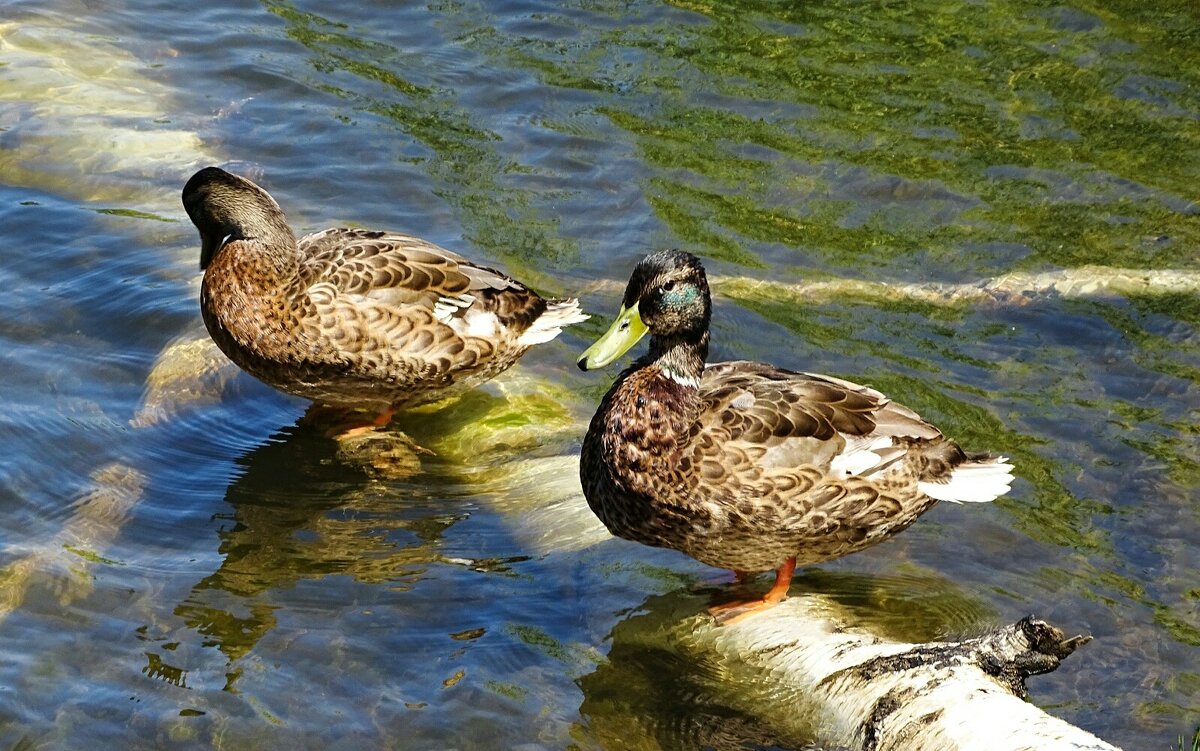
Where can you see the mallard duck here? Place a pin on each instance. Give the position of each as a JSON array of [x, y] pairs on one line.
[[354, 319], [750, 467]]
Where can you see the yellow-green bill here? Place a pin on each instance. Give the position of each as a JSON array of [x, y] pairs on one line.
[[625, 332]]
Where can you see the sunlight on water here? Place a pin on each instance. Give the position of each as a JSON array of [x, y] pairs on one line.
[[190, 562]]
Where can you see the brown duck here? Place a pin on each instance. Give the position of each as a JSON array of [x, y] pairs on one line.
[[750, 467], [351, 318]]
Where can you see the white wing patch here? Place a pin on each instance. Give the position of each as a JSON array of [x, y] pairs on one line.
[[549, 324], [445, 308], [864, 456], [476, 323]]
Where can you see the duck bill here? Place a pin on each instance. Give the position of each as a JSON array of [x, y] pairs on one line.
[[625, 332]]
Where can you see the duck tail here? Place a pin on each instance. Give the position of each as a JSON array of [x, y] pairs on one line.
[[559, 312], [979, 479]]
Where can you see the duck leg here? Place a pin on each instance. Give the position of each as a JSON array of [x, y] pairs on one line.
[[368, 424], [342, 423], [731, 612]]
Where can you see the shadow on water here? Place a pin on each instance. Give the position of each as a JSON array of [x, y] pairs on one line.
[[323, 554]]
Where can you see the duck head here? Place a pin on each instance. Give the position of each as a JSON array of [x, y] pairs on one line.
[[226, 208], [667, 297]]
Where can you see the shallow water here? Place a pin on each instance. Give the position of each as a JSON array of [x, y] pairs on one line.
[[212, 573]]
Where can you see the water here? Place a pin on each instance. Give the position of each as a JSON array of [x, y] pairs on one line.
[[198, 569]]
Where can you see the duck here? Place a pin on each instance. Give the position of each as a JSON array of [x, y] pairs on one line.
[[360, 322], [747, 466]]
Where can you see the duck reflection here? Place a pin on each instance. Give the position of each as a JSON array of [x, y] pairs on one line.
[[652, 687], [376, 509], [306, 507]]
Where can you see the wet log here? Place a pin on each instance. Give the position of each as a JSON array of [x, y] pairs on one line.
[[863, 692], [1013, 289], [63, 562]]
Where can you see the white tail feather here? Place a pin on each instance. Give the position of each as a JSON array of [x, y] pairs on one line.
[[973, 482], [549, 324]]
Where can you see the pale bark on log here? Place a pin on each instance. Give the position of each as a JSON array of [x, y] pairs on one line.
[[868, 693], [1016, 288]]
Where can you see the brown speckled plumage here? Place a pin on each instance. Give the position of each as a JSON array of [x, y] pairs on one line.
[[352, 317], [745, 466]]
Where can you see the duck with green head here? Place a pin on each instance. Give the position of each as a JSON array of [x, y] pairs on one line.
[[750, 467]]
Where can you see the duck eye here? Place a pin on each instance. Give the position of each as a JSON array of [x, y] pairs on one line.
[[670, 285]]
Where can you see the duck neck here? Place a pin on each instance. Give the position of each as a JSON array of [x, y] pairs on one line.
[[260, 239], [276, 247], [285, 263], [679, 358], [638, 437]]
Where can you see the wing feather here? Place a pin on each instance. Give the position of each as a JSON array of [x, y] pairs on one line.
[[396, 303], [797, 419], [407, 272]]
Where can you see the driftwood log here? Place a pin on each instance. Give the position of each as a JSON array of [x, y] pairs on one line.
[[1017, 288], [864, 692], [63, 561], [191, 371]]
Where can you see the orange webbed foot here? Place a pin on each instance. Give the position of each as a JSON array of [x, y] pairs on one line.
[[729, 613]]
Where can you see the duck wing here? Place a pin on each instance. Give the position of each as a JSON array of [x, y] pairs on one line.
[[405, 271], [395, 309], [757, 417]]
